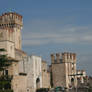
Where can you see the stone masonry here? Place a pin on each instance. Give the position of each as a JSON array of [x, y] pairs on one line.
[[45, 75], [64, 69], [10, 32]]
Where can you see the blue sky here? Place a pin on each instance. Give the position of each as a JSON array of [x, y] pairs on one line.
[[52, 26]]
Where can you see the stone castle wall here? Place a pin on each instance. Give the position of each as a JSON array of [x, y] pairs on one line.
[[64, 69], [10, 26], [59, 76], [45, 75]]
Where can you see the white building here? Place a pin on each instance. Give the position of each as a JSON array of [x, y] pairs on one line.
[[31, 67]]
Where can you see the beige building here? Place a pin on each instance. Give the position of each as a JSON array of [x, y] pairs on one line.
[[19, 81], [10, 32], [26, 71], [63, 69], [27, 74], [45, 75], [81, 75], [10, 39]]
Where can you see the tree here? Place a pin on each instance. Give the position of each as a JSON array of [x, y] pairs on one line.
[[5, 79]]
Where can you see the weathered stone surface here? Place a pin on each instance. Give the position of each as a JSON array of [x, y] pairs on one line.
[[58, 73], [45, 75], [10, 32], [64, 69]]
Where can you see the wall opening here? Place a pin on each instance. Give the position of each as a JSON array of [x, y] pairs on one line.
[[37, 83]]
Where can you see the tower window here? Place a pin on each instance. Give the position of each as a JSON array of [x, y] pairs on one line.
[[6, 72]]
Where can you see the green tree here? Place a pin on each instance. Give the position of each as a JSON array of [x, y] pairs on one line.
[[5, 79]]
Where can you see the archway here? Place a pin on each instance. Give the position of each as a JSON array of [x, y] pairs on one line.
[[72, 81], [37, 83]]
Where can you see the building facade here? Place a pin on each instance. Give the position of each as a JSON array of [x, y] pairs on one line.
[[10, 32], [63, 69], [34, 80], [27, 74], [45, 75], [27, 71], [81, 76]]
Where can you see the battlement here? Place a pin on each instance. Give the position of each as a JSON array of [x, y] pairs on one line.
[[10, 28], [10, 20], [63, 57]]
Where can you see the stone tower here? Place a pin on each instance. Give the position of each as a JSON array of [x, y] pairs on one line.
[[10, 32], [64, 69]]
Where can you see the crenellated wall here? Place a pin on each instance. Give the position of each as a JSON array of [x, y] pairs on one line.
[[10, 20], [63, 57]]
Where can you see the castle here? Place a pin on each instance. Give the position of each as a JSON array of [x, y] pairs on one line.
[[64, 69], [10, 32], [27, 70], [30, 72]]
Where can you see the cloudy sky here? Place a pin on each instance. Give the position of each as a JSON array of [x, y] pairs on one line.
[[52, 26]]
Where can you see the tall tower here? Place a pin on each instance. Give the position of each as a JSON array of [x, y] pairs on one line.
[[64, 69], [10, 32]]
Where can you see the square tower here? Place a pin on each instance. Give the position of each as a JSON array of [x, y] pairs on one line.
[[64, 69], [10, 32]]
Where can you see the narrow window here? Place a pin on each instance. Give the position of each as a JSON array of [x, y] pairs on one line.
[[6, 72]]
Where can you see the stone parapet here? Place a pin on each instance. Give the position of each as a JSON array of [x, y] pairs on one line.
[[63, 57]]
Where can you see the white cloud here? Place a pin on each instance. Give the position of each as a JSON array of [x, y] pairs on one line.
[[44, 32], [88, 38], [33, 42]]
